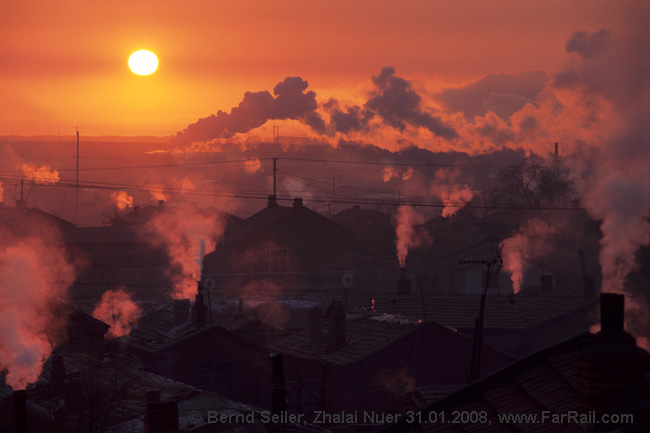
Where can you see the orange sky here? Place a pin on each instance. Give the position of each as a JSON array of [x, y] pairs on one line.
[[64, 63]]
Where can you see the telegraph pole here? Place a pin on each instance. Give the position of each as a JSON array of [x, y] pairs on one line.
[[477, 342]]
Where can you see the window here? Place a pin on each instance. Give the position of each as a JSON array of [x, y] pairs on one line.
[[212, 376], [278, 260]]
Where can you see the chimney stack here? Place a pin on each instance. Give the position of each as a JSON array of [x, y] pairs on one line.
[[273, 200], [199, 309], [610, 368], [612, 312], [20, 410], [336, 315], [278, 387], [161, 203], [181, 311], [403, 283], [297, 202], [161, 417]]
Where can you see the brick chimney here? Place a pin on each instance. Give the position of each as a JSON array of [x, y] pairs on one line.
[[161, 417], [403, 283], [336, 315], [199, 309], [278, 386], [181, 311], [20, 410], [297, 202], [610, 367], [273, 200]]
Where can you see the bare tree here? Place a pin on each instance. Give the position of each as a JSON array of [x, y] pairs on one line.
[[535, 182]]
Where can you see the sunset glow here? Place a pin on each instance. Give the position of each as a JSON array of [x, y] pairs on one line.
[[415, 195]]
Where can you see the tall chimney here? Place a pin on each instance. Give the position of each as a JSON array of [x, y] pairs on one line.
[[199, 309], [297, 202], [161, 417], [315, 325], [336, 315], [610, 368], [181, 311], [57, 374], [278, 387], [273, 200], [20, 410]]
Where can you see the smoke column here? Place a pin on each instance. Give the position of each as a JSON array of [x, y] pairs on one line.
[[33, 274], [532, 241], [118, 310], [408, 236], [121, 199], [181, 231]]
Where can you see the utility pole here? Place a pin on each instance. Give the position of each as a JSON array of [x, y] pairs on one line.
[[77, 189], [475, 363]]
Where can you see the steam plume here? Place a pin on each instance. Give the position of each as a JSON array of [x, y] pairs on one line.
[[121, 199], [408, 236], [532, 241], [118, 310], [41, 175], [181, 232], [33, 274], [453, 195]]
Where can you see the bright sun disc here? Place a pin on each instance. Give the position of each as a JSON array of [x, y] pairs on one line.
[[143, 62]]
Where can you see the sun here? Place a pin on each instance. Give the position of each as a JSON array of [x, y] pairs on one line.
[[143, 62]]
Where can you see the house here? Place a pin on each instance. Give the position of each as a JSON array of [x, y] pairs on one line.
[[288, 246], [124, 253], [335, 363], [22, 221], [76, 394], [515, 324], [589, 383], [363, 361]]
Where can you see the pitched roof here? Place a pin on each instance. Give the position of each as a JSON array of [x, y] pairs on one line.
[[272, 215], [365, 334], [543, 381], [123, 383]]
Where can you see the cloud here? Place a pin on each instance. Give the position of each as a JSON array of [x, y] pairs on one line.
[[503, 94], [589, 45]]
